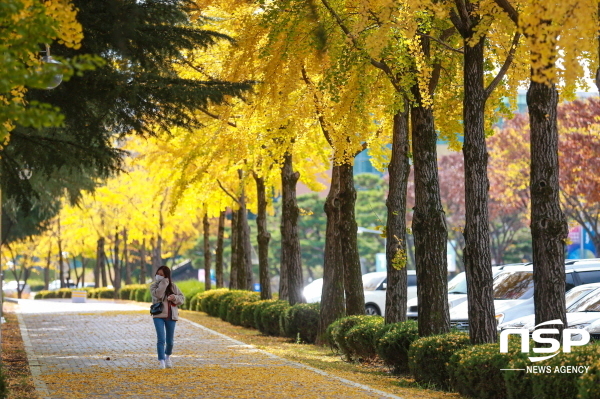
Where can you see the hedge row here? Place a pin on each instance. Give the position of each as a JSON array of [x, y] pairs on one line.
[[132, 292], [450, 362], [271, 317], [97, 293]]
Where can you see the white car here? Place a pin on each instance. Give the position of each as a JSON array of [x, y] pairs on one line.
[[457, 291], [583, 313], [374, 285], [312, 292], [527, 307], [514, 286], [10, 289]]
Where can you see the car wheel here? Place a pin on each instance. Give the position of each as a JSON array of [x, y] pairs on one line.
[[372, 310]]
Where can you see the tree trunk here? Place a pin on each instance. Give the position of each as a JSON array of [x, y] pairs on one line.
[[290, 243], [219, 250], [233, 280], [429, 223], [47, 270], [548, 223], [157, 254], [206, 225], [126, 258], [477, 256], [245, 259], [346, 199], [83, 262], [61, 262], [263, 238], [101, 263], [332, 299], [399, 169], [143, 262], [117, 266]]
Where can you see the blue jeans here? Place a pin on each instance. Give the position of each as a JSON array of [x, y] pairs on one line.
[[161, 325]]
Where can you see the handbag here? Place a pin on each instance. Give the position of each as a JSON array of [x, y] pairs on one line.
[[157, 308]]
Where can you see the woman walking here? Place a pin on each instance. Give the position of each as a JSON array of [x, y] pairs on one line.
[[163, 290]]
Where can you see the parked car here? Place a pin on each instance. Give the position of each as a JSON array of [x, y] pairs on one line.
[[312, 292], [514, 286], [457, 291], [527, 307], [10, 289], [582, 312], [55, 285], [374, 285]]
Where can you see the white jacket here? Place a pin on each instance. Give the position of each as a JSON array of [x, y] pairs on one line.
[[157, 289]]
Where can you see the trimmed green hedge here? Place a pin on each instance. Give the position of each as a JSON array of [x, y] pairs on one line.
[[237, 303], [476, 371], [301, 322], [563, 384], [362, 338], [247, 315], [338, 330], [428, 357], [394, 342], [128, 291], [589, 383], [209, 303], [270, 315]]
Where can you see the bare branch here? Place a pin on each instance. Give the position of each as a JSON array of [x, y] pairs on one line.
[[227, 192], [460, 51], [504, 69], [318, 106], [216, 116]]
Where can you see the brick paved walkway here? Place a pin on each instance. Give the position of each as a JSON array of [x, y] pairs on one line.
[[108, 350]]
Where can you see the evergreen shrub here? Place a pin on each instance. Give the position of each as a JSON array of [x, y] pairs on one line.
[[302, 321], [393, 344], [563, 384], [339, 331], [589, 383], [362, 338], [428, 357], [476, 371], [63, 293], [237, 303], [247, 314]]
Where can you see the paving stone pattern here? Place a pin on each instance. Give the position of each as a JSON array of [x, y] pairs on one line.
[[108, 350]]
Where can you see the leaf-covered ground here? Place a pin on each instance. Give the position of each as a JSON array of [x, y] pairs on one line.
[[14, 359], [373, 375]]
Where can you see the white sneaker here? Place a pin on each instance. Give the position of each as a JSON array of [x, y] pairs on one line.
[[161, 364], [168, 362]]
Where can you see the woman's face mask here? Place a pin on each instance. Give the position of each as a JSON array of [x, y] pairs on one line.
[[158, 277]]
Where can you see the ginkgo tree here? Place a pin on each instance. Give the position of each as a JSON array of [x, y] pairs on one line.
[[560, 38]]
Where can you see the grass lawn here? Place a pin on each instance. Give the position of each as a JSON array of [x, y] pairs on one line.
[[373, 374]]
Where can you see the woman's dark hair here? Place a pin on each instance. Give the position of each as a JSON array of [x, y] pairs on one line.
[[167, 273]]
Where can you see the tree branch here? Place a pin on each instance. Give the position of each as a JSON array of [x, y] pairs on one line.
[[509, 9], [319, 108], [377, 64], [504, 69], [460, 51], [216, 116], [228, 193]]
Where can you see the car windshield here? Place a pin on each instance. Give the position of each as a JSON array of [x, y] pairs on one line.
[[458, 285], [591, 303], [513, 285], [577, 293], [372, 281]]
